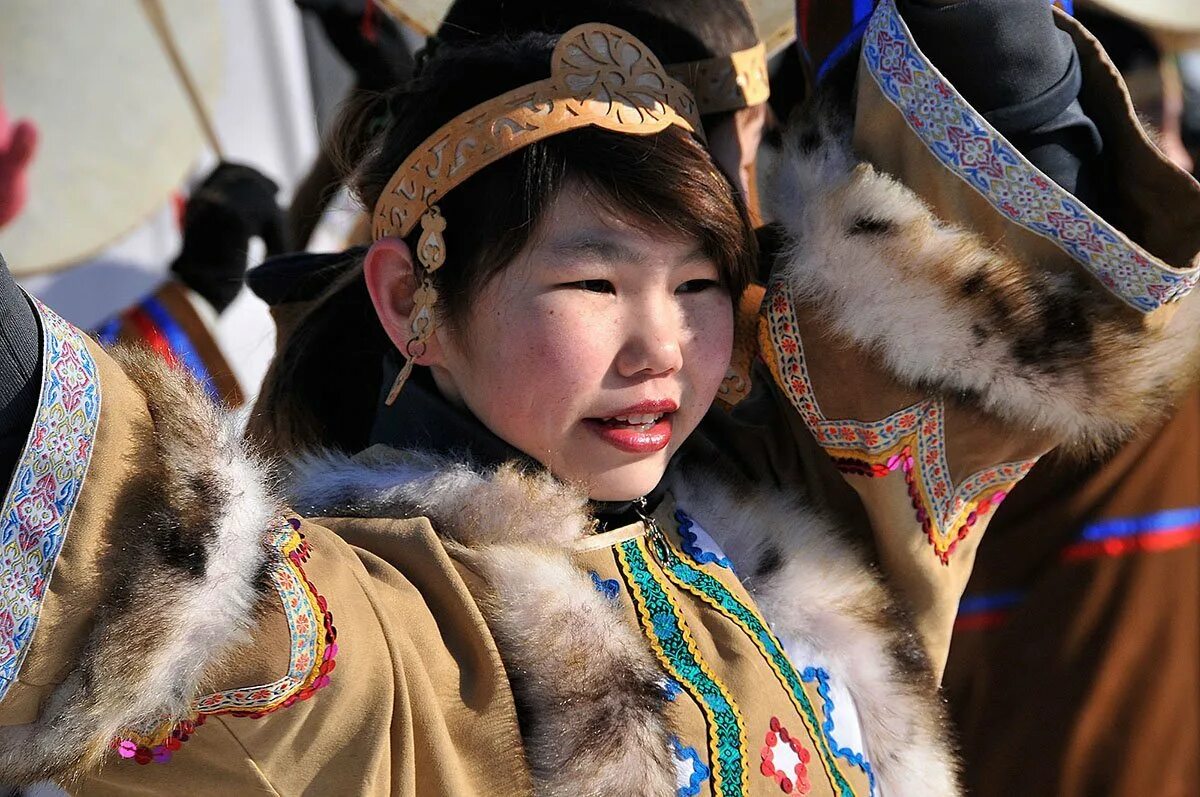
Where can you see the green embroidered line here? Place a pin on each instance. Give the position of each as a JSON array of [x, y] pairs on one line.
[[714, 593], [675, 647]]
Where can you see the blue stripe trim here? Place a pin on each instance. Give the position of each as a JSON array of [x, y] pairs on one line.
[[109, 331], [843, 47], [1166, 520], [990, 602], [181, 344]]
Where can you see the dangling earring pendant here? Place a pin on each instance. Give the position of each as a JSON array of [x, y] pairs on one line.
[[431, 252]]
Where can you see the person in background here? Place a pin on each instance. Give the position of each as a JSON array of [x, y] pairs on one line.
[[1076, 645], [233, 205]]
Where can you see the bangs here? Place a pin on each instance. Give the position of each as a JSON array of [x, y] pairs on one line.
[[668, 182]]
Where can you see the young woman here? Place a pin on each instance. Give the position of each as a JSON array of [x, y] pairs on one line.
[[555, 571]]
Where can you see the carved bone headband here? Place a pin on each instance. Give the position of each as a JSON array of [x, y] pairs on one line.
[[600, 76]]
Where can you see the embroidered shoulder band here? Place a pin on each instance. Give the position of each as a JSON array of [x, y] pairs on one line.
[[958, 136], [36, 511]]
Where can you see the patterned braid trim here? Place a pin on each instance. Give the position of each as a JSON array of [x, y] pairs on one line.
[[675, 647], [312, 660], [717, 595], [912, 440]]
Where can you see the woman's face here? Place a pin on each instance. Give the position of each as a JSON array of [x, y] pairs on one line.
[[597, 351]]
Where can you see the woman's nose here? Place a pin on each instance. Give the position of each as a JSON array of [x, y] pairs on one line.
[[652, 346]]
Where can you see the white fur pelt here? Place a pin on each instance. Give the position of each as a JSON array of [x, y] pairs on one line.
[[813, 587], [948, 313], [585, 683], [185, 580], [556, 633]]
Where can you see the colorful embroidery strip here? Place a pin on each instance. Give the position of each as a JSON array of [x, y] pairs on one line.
[[912, 440], [966, 144], [675, 648], [36, 513], [312, 658], [710, 590]]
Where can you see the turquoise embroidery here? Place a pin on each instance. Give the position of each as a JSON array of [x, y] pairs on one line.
[[675, 648], [714, 593], [691, 770], [819, 676]]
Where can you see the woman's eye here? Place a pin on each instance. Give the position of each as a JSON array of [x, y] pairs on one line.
[[695, 286], [595, 286]]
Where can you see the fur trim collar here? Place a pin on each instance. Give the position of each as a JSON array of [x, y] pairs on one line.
[[812, 587], [951, 314], [587, 693]]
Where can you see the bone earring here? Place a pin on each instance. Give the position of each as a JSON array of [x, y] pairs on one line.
[[431, 252]]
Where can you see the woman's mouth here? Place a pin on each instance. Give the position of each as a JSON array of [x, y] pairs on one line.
[[636, 432]]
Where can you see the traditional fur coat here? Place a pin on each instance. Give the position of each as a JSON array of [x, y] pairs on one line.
[[487, 638]]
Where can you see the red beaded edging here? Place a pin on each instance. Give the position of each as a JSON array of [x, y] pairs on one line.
[[183, 730], [904, 461]]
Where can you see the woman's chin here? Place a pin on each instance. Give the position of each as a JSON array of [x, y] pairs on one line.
[[627, 482]]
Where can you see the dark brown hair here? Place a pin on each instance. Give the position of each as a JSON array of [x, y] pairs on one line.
[[324, 386]]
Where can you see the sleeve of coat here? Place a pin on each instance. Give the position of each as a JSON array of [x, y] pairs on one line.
[[146, 561], [941, 313]]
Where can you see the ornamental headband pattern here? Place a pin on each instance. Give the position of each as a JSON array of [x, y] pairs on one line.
[[600, 76]]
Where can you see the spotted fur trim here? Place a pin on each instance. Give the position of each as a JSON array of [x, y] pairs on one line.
[[816, 591], [948, 313], [186, 576], [810, 584]]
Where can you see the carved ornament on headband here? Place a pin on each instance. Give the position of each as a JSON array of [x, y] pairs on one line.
[[600, 76]]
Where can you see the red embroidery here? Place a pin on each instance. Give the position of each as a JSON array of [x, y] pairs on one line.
[[312, 660], [785, 760]]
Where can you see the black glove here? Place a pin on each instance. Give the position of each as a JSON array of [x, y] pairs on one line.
[[20, 371], [374, 49], [234, 204]]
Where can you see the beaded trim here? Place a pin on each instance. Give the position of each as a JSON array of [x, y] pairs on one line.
[[796, 781], [967, 145], [675, 647], [912, 440], [312, 660], [45, 486], [710, 590]]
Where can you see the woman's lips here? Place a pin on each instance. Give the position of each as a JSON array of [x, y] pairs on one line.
[[633, 439]]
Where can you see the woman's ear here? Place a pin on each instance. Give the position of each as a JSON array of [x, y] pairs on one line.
[[392, 281]]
